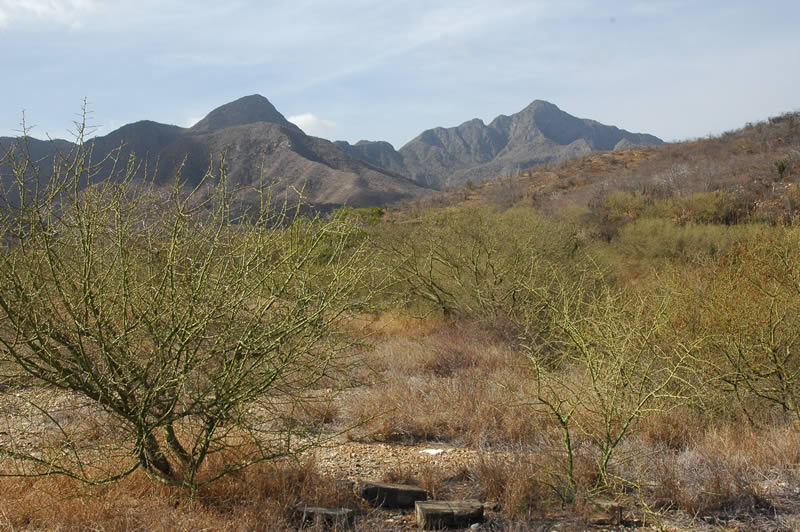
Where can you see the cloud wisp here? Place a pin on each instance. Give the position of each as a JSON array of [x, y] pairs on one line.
[[64, 12], [313, 125]]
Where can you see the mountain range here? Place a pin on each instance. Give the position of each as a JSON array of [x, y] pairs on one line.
[[262, 147], [540, 133]]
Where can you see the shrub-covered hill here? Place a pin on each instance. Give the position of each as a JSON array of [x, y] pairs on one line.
[[745, 175]]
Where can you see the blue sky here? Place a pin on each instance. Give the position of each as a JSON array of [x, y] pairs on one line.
[[387, 70]]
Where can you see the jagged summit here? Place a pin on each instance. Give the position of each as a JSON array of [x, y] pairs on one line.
[[475, 151], [246, 110]]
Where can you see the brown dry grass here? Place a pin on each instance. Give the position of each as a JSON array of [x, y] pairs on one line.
[[385, 325], [448, 385], [264, 497], [428, 477], [451, 384], [518, 486], [729, 470]]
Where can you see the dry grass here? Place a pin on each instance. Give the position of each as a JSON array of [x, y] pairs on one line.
[[673, 429], [517, 484], [385, 325], [262, 498], [731, 470], [445, 386], [429, 478], [452, 384]]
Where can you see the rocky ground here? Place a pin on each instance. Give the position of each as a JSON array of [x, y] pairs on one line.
[[454, 466]]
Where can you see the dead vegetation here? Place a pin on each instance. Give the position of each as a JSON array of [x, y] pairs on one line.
[[265, 497]]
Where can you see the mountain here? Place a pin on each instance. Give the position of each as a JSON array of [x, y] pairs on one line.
[[540, 133], [291, 159], [260, 147], [748, 175], [378, 153], [247, 110]]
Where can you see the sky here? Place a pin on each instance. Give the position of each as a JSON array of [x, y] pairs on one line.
[[388, 70]]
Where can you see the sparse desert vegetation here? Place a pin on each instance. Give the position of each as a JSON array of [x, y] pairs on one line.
[[620, 328]]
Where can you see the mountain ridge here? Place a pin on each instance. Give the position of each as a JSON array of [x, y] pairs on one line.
[[475, 151], [261, 145], [261, 148]]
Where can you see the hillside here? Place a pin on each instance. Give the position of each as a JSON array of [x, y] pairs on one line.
[[743, 165]]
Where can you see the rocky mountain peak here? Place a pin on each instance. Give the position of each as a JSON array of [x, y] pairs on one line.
[[539, 133], [540, 105], [246, 110]]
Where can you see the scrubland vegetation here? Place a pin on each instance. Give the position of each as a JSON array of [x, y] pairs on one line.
[[622, 327]]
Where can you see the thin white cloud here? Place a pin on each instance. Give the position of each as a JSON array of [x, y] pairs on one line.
[[313, 125], [395, 34], [192, 120], [67, 12]]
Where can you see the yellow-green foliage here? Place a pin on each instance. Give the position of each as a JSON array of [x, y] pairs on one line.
[[718, 207], [472, 261], [746, 311], [351, 224], [602, 363], [614, 211], [188, 327], [658, 238], [619, 205], [366, 216]]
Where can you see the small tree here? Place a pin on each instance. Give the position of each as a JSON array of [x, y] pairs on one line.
[[598, 365], [189, 330], [750, 309]]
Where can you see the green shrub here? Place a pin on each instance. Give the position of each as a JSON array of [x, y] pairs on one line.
[[614, 210], [658, 239], [747, 309], [717, 207], [471, 262]]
